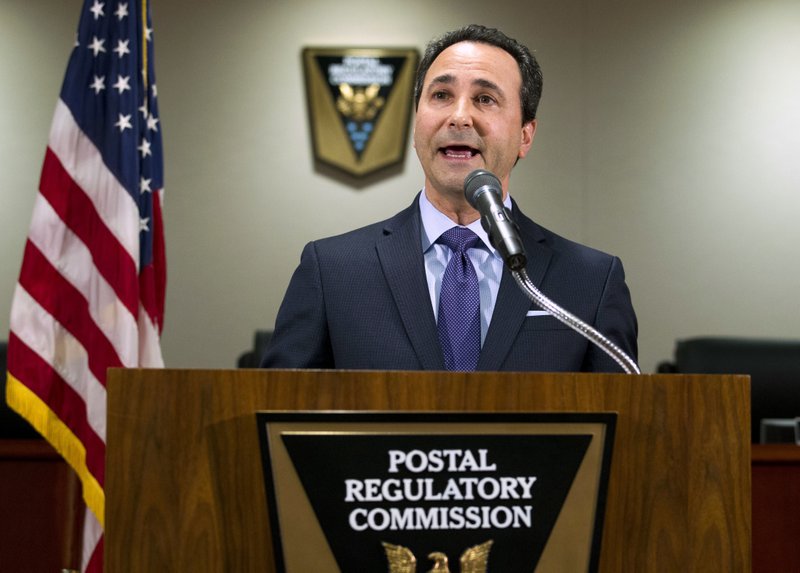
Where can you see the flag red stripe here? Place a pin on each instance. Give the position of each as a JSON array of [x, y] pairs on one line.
[[152, 278], [95, 564], [60, 397], [75, 208], [68, 306]]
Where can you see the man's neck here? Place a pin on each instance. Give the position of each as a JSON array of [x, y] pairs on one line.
[[456, 209]]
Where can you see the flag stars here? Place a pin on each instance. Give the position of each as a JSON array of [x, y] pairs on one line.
[[122, 48], [122, 11], [122, 84], [152, 122], [145, 148], [97, 9], [144, 185], [124, 123], [98, 85], [148, 34], [144, 225], [97, 45]]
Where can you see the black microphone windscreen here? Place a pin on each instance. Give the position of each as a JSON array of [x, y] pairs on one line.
[[478, 179]]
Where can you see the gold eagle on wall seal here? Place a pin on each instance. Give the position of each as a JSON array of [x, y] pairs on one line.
[[359, 103], [473, 560]]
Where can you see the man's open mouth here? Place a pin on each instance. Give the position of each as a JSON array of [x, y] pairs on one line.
[[459, 151]]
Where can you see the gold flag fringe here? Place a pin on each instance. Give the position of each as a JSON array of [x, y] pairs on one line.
[[45, 421]]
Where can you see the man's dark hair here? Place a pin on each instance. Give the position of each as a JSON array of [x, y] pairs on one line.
[[531, 90]]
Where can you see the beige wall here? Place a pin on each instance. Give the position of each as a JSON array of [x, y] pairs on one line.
[[668, 135]]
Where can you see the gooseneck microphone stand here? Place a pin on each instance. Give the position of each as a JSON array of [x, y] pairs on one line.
[[483, 191], [575, 323]]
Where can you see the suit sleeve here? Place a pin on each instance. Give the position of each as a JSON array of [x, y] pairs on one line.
[[616, 320], [301, 338]]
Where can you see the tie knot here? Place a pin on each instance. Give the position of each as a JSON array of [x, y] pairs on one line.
[[459, 239]]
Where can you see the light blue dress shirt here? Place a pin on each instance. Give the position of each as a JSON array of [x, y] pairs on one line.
[[486, 260]]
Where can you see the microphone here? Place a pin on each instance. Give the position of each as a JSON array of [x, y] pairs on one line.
[[483, 191]]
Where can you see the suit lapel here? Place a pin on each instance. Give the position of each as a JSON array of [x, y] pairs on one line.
[[400, 255], [512, 304]]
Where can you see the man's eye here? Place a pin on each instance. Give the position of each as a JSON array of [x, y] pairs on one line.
[[440, 95], [485, 99]]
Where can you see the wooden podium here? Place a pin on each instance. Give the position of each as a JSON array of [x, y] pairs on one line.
[[185, 486]]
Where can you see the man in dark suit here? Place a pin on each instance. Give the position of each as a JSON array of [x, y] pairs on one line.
[[369, 299]]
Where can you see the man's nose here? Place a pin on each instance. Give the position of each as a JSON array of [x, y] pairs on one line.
[[461, 116]]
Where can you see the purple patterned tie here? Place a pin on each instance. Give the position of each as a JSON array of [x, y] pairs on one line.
[[460, 303]]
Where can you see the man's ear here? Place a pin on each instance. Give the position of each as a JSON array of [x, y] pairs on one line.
[[526, 140]]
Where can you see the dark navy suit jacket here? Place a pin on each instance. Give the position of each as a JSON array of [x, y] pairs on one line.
[[360, 301]]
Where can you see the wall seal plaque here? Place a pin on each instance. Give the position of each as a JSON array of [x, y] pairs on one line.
[[359, 104]]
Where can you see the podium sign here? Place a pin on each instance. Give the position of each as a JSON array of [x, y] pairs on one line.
[[497, 492]]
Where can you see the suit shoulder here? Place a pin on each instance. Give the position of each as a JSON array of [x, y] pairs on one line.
[[576, 249], [368, 234], [564, 247]]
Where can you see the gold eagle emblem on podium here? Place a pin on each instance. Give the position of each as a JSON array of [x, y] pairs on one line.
[[473, 560]]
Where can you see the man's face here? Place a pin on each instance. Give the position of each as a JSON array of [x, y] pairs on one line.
[[470, 117]]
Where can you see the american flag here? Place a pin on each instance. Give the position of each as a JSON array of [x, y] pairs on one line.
[[90, 294]]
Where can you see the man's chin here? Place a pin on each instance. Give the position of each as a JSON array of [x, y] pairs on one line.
[[452, 189], [456, 175]]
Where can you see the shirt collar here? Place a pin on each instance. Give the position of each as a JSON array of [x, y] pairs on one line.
[[434, 223]]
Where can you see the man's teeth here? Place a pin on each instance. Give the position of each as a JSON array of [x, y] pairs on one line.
[[459, 153]]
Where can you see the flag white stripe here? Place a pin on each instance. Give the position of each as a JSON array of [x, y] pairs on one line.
[[67, 253], [92, 533], [149, 346], [44, 335], [84, 163]]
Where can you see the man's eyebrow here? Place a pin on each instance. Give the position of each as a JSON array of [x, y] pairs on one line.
[[443, 79], [480, 82], [489, 85]]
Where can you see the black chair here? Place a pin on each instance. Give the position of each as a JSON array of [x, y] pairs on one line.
[[252, 358], [773, 366]]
